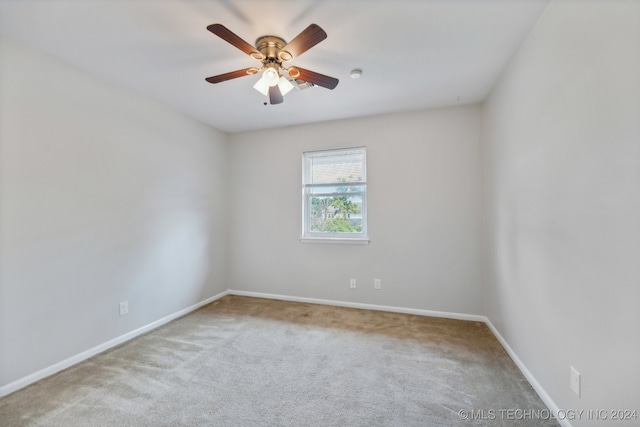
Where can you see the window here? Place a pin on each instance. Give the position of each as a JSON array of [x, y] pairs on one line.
[[334, 187]]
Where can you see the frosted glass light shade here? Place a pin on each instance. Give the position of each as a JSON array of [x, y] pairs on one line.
[[262, 86], [271, 76], [285, 86]]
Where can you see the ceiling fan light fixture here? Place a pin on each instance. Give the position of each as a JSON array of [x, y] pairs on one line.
[[285, 86], [271, 76], [261, 86]]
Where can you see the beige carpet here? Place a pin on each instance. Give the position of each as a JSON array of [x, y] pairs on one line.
[[253, 362]]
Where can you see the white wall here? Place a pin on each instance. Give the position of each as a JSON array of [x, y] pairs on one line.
[[104, 197], [562, 162], [424, 203]]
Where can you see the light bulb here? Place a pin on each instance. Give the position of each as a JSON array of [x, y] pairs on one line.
[[271, 76]]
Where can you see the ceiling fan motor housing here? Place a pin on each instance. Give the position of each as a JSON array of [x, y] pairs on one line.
[[270, 47]]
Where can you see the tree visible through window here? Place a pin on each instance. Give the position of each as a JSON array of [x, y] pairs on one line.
[[334, 189], [333, 214]]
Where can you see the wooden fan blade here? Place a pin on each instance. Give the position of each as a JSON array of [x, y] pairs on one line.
[[308, 38], [227, 35], [275, 96], [232, 75], [316, 78]]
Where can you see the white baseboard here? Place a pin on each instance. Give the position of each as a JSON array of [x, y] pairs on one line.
[[528, 375], [458, 316], [36, 376]]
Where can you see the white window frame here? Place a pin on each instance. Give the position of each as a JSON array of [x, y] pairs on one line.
[[308, 188]]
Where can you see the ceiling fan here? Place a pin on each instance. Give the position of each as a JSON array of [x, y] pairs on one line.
[[272, 51]]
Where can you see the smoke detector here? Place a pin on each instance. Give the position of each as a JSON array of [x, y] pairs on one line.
[[355, 73]]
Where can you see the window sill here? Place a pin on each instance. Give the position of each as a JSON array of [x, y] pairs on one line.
[[336, 240]]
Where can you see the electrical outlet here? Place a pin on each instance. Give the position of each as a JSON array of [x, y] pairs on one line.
[[575, 380], [352, 283], [377, 284], [124, 308]]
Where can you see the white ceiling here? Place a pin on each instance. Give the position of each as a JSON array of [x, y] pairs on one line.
[[414, 53]]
